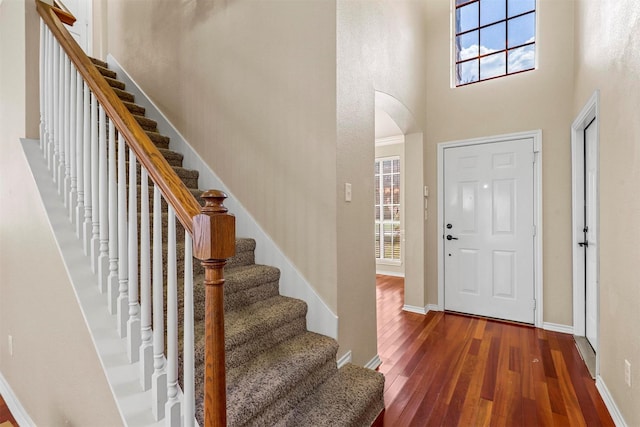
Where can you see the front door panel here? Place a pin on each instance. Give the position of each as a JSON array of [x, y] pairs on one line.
[[488, 234]]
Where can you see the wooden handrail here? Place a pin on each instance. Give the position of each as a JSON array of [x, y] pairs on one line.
[[63, 13], [162, 174]]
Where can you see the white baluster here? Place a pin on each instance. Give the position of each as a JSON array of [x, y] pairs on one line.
[[159, 377], [53, 57], [146, 349], [49, 93], [103, 208], [172, 407], [133, 324], [79, 155], [95, 201], [112, 281], [188, 368], [41, 82], [72, 144], [66, 167], [53, 166], [86, 168], [60, 143], [123, 265]]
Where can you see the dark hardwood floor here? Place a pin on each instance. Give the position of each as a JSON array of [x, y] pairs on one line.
[[455, 370], [5, 415]]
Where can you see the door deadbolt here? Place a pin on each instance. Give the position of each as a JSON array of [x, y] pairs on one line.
[[449, 226]]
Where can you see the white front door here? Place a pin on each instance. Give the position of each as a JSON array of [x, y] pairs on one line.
[[590, 242], [488, 230]]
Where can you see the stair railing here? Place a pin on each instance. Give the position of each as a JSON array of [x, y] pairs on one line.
[[91, 142]]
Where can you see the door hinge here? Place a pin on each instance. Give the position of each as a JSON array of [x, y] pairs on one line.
[[533, 304], [535, 230]]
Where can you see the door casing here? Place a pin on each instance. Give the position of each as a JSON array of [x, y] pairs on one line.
[[590, 112], [536, 135]]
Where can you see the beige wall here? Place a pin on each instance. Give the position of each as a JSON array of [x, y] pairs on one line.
[[608, 59], [251, 85], [380, 48], [54, 370], [540, 99]]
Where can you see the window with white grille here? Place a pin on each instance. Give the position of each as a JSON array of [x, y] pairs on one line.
[[387, 206]]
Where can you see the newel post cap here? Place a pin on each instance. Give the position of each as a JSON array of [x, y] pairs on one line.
[[214, 229]]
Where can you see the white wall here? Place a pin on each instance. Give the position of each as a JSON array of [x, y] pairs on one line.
[[54, 371]]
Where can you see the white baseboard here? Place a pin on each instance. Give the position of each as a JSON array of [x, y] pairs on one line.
[[414, 309], [555, 327], [346, 358], [615, 413], [389, 273], [374, 363], [421, 310], [17, 410], [320, 318]]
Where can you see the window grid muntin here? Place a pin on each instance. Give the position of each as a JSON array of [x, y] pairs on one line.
[[505, 51], [388, 167]]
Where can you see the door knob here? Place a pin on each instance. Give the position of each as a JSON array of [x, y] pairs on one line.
[[450, 237]]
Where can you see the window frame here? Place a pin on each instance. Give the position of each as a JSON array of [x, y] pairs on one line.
[[379, 204], [454, 54]]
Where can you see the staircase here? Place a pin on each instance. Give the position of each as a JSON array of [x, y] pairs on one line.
[[278, 373]]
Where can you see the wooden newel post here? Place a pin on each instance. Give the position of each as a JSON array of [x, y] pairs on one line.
[[213, 242]]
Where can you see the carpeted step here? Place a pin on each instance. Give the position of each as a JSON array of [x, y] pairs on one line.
[[135, 108], [124, 95], [188, 176], [246, 285], [114, 82], [99, 62], [351, 397], [106, 72], [253, 329], [146, 123], [159, 140], [270, 385], [245, 253]]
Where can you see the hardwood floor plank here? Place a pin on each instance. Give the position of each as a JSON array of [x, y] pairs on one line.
[[456, 370]]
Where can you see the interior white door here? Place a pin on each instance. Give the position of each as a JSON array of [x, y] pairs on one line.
[[488, 234], [81, 9], [590, 233]]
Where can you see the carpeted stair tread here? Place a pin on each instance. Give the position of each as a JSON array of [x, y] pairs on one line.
[[99, 62], [245, 254], [114, 82], [251, 322], [158, 139], [274, 374], [146, 123], [106, 72], [248, 276], [124, 95], [135, 108], [188, 176], [351, 397]]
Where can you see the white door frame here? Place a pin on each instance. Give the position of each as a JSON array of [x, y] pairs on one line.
[[590, 112], [536, 135]]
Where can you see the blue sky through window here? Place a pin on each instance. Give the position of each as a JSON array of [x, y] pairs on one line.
[[493, 38]]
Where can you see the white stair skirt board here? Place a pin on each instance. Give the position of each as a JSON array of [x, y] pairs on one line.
[[133, 404], [374, 363], [554, 327], [615, 413], [346, 358], [320, 318], [17, 410]]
